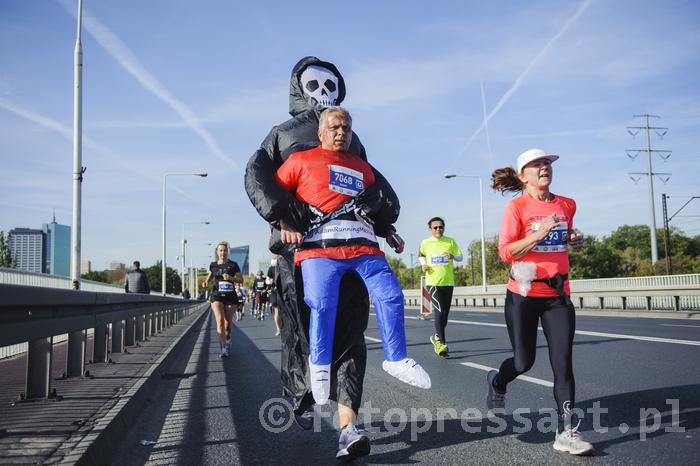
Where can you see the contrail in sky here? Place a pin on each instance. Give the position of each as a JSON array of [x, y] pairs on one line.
[[67, 133], [486, 126], [123, 55], [518, 82]]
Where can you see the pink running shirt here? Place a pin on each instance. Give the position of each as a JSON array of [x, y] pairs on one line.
[[521, 218]]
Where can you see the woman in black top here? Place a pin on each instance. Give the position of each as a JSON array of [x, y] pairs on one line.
[[224, 299]]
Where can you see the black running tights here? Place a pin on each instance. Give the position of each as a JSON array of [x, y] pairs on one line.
[[441, 299], [559, 323]]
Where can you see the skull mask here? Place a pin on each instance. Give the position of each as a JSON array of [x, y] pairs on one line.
[[321, 85]]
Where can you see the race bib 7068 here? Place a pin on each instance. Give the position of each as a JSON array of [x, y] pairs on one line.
[[345, 180]]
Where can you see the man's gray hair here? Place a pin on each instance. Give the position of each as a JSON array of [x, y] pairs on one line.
[[330, 110]]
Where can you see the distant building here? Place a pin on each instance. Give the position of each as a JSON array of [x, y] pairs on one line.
[[240, 255], [27, 246], [42, 251], [116, 265], [85, 266], [57, 248]]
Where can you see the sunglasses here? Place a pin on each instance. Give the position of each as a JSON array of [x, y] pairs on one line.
[[439, 228]]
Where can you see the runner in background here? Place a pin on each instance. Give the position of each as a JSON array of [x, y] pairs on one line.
[[259, 287], [272, 278], [224, 301], [536, 232], [436, 256], [241, 293]]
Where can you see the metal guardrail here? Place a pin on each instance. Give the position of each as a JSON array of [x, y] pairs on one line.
[[20, 277], [35, 315], [672, 292]]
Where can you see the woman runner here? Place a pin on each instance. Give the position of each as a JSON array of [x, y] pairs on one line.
[[224, 299], [536, 231]]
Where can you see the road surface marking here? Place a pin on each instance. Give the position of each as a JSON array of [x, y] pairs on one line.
[[587, 333], [526, 378], [680, 325]]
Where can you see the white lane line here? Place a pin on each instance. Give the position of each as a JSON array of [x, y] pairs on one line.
[[679, 325], [526, 378], [588, 333]]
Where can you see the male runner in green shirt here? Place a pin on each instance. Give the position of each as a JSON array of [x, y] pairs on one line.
[[436, 256]]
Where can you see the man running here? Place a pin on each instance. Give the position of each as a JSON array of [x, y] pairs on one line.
[[436, 256], [259, 287]]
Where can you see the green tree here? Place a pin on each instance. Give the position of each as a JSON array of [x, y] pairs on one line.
[[96, 276], [597, 259], [172, 278], [496, 270]]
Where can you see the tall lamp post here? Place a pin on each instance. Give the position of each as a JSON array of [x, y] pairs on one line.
[[184, 242], [165, 182], [78, 168], [481, 212]]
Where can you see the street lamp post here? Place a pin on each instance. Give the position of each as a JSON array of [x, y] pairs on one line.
[[481, 212], [184, 242], [165, 182]]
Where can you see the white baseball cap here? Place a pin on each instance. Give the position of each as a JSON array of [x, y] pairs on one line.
[[533, 154]]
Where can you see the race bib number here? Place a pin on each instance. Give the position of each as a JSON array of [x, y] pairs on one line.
[[225, 287], [555, 241], [438, 260], [345, 180]]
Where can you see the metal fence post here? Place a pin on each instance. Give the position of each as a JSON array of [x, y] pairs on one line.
[[39, 368], [99, 351], [118, 336], [130, 331], [75, 359], [140, 327]]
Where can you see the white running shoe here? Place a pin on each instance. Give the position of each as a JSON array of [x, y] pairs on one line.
[[352, 444], [224, 352], [572, 442], [408, 371], [320, 381]]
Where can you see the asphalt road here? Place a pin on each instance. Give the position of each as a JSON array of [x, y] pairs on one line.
[[644, 372]]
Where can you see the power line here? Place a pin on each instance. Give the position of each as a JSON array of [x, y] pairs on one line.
[[664, 177]]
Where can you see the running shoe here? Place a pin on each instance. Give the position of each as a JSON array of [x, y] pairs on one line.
[[277, 333], [352, 444], [408, 371], [440, 348], [572, 442], [320, 381], [224, 352], [444, 351], [435, 341], [494, 398]]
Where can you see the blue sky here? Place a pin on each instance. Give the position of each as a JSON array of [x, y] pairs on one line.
[[183, 86]]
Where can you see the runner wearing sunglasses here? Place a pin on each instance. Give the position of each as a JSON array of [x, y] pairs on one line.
[[436, 256]]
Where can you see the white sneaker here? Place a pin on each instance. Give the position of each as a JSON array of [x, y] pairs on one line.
[[408, 371], [224, 352], [320, 381], [572, 442]]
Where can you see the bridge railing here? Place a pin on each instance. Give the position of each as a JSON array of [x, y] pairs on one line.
[[20, 277], [35, 315], [668, 292]]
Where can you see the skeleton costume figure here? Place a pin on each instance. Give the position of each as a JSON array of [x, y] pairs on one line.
[[314, 85]]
